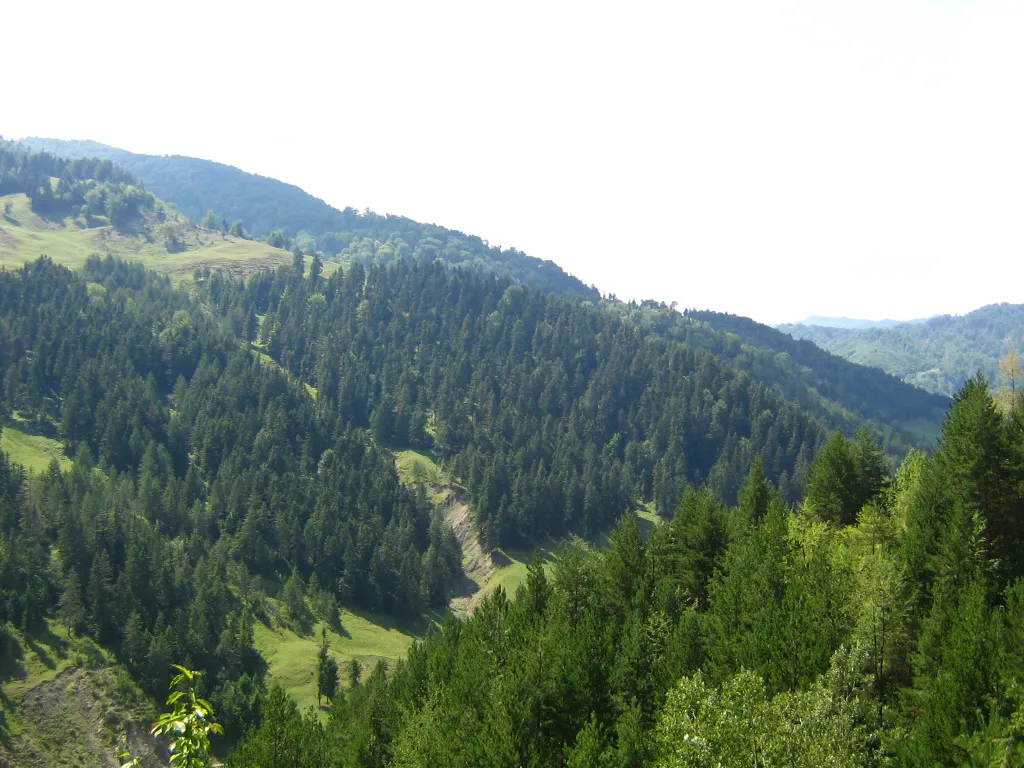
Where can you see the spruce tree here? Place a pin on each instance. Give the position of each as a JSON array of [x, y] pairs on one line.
[[326, 670]]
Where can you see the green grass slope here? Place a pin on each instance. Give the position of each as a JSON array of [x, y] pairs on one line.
[[26, 446], [292, 658], [25, 236]]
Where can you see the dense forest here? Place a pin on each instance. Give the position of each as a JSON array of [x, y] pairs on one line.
[[219, 455], [267, 208], [938, 354], [199, 470], [880, 623], [557, 415], [836, 393]]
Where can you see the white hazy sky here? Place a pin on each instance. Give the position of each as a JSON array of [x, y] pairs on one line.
[[772, 159]]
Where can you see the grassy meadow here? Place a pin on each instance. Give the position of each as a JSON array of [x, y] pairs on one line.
[[25, 236]]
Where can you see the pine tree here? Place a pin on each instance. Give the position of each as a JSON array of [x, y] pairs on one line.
[[72, 611], [974, 462], [355, 673], [326, 670]]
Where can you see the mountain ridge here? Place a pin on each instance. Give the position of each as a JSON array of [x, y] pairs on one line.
[[839, 397], [852, 323], [266, 206], [938, 354]]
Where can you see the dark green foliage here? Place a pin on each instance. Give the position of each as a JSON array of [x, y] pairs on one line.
[[140, 543], [817, 380], [773, 594], [326, 671], [844, 477], [557, 415]]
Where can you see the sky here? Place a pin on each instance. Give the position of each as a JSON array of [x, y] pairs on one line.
[[770, 159]]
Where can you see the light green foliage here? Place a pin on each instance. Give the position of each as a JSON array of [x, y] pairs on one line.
[[189, 724], [736, 725]]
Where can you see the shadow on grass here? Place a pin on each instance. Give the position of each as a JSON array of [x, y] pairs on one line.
[[414, 626], [53, 217], [11, 658], [40, 652], [34, 427], [646, 527]]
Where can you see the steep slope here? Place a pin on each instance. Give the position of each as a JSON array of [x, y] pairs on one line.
[[557, 415], [25, 236], [896, 409], [839, 399], [264, 205], [71, 210], [939, 354]]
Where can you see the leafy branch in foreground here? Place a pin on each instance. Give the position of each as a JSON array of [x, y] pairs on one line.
[[189, 724]]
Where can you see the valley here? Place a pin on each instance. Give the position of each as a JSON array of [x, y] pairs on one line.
[[412, 500]]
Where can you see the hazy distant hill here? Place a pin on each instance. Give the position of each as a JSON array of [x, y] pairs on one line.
[[938, 354], [266, 205], [851, 323]]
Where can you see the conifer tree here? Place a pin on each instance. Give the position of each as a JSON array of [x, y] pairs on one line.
[[326, 670]]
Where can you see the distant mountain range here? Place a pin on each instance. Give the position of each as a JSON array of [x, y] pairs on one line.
[[851, 323], [938, 354]]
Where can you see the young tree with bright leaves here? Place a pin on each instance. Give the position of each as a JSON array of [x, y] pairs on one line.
[[189, 724]]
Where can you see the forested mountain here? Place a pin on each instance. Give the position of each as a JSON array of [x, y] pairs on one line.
[[232, 467], [938, 354], [199, 470], [836, 391], [836, 394], [881, 624], [557, 415], [205, 473], [72, 209], [266, 207]]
